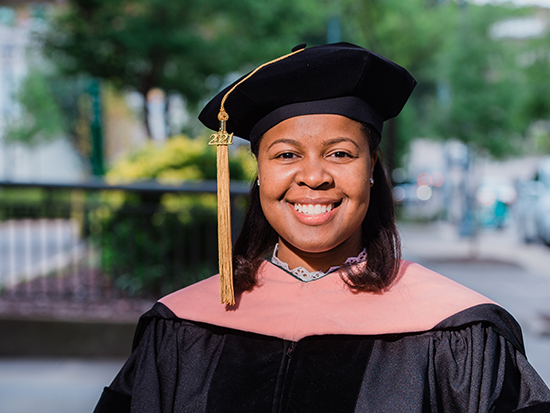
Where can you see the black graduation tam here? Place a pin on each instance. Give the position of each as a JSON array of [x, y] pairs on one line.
[[341, 78]]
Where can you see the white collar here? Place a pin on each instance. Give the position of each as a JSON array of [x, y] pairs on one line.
[[304, 275]]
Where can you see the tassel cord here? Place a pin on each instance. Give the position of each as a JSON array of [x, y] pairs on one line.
[[225, 258]]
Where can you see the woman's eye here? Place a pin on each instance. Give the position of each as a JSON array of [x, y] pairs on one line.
[[286, 155], [341, 155]]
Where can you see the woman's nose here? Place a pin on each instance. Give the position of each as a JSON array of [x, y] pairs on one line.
[[313, 174]]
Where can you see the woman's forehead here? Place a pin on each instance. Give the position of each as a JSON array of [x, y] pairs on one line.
[[319, 131]]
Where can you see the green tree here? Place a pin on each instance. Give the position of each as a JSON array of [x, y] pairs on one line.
[[41, 119], [535, 102], [537, 67], [185, 46], [483, 81]]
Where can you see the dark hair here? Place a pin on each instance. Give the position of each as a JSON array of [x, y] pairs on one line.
[[380, 235]]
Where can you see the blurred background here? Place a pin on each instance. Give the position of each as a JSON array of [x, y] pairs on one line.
[[107, 186]]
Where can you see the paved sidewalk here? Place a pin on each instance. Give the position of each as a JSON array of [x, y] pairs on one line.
[[53, 386], [441, 242]]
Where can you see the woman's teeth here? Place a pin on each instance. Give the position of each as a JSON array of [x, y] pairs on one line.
[[312, 209]]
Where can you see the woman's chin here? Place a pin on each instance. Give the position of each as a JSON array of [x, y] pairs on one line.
[[322, 247]]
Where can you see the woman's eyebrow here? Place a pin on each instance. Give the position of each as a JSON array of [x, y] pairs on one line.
[[284, 140], [338, 140]]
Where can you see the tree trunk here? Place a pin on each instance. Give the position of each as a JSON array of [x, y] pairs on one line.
[[146, 115], [167, 116]]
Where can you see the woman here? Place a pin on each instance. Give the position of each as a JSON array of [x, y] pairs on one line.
[[327, 317]]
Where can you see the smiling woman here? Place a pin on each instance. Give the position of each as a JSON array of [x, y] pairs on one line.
[[327, 317], [321, 162]]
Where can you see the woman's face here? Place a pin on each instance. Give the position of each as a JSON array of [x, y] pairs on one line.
[[314, 173]]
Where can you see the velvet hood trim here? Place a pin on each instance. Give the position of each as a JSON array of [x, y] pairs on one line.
[[284, 307]]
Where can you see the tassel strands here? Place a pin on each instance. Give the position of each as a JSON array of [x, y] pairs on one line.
[[225, 260], [224, 228]]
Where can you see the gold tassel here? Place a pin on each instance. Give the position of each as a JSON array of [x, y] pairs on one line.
[[225, 255], [224, 228]]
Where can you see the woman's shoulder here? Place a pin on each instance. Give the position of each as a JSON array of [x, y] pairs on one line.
[[486, 315], [482, 311]]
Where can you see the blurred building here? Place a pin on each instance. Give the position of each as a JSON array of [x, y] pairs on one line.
[[56, 160]]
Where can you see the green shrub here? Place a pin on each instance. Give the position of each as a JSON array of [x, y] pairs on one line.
[[154, 243]]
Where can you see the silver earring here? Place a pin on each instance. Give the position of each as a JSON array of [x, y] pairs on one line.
[[371, 182], [258, 181]]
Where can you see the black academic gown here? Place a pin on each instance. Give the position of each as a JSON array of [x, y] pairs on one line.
[[470, 361]]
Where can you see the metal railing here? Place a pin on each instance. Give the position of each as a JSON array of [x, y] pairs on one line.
[[93, 247]]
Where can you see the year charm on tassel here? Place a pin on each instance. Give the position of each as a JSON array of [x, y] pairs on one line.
[[221, 137]]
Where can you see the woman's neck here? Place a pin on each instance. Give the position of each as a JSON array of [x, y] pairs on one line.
[[319, 261]]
